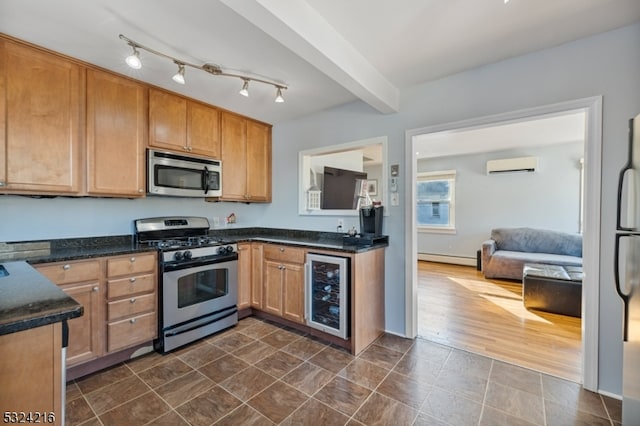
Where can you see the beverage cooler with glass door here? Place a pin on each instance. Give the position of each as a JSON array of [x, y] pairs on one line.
[[326, 294]]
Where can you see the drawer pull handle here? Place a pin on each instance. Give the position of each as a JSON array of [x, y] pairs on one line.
[[133, 280], [66, 267], [133, 259], [96, 288], [132, 320], [132, 300]]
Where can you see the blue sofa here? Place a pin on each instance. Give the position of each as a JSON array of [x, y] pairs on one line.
[[508, 249]]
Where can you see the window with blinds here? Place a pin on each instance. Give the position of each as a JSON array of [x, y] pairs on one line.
[[435, 200]]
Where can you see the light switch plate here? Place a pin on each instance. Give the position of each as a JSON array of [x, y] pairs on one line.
[[395, 199]]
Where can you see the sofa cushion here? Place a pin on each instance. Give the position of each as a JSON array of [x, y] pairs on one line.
[[537, 241]]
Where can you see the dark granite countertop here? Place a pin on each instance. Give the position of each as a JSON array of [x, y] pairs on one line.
[[61, 250], [28, 299], [311, 239]]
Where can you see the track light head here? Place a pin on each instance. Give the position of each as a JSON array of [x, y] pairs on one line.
[[245, 88], [179, 76], [133, 60], [279, 98]]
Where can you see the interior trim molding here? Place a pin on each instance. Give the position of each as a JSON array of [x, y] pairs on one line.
[[592, 228]]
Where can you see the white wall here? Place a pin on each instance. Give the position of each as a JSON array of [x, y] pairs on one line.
[[547, 199], [607, 65]]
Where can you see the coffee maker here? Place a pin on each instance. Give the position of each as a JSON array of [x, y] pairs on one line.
[[371, 220]]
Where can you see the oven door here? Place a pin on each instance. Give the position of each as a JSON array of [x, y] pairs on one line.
[[198, 291]]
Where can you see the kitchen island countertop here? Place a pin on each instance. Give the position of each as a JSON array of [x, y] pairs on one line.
[[28, 300]]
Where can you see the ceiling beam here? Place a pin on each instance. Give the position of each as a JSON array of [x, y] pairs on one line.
[[300, 28]]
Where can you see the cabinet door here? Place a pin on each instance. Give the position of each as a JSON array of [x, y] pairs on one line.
[[43, 102], [258, 161], [234, 152], [256, 275], [167, 121], [86, 339], [116, 135], [244, 275], [293, 292], [272, 288], [203, 130]]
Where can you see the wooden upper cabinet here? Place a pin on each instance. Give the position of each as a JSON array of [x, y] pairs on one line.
[[179, 124], [203, 129], [116, 135], [246, 159], [234, 153], [258, 161], [41, 105]]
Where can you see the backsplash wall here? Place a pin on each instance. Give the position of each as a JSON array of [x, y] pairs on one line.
[[27, 218]]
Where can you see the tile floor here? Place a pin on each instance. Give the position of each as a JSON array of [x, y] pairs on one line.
[[259, 373]]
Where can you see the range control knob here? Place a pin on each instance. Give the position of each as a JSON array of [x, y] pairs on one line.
[[187, 254], [178, 255]]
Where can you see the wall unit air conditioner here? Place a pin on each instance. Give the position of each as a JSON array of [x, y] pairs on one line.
[[511, 165]]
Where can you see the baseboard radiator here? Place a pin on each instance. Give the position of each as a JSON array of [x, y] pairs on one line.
[[454, 260]]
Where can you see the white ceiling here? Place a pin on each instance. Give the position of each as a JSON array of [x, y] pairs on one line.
[[539, 131], [329, 52]]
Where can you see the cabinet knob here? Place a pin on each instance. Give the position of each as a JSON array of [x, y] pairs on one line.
[[133, 259], [1, 183], [132, 320], [281, 248], [66, 267], [140, 190], [132, 300], [133, 279], [95, 289]]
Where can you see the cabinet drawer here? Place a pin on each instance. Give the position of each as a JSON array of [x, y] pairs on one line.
[[71, 272], [131, 306], [131, 285], [280, 253], [134, 264], [131, 331]]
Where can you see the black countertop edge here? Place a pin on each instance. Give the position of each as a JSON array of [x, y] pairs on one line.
[[28, 300]]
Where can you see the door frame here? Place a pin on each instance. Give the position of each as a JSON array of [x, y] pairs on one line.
[[592, 204]]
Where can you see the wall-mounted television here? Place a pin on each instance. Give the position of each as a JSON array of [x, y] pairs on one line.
[[339, 188]]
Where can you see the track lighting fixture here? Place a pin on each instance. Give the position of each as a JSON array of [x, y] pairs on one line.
[[245, 88], [133, 61], [179, 76], [279, 98]]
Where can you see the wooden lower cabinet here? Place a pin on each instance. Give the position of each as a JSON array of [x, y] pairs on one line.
[[283, 282], [256, 275], [82, 281], [131, 300], [244, 275], [119, 297], [38, 388]]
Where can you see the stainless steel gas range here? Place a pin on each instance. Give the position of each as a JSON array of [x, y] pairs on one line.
[[198, 282]]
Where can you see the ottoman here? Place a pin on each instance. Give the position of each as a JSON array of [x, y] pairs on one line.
[[552, 288]]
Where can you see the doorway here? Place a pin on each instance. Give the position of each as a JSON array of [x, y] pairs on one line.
[[592, 157]]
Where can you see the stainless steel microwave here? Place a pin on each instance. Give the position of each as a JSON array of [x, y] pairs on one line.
[[180, 175]]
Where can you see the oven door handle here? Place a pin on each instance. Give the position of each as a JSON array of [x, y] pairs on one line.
[[168, 267], [202, 324]]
